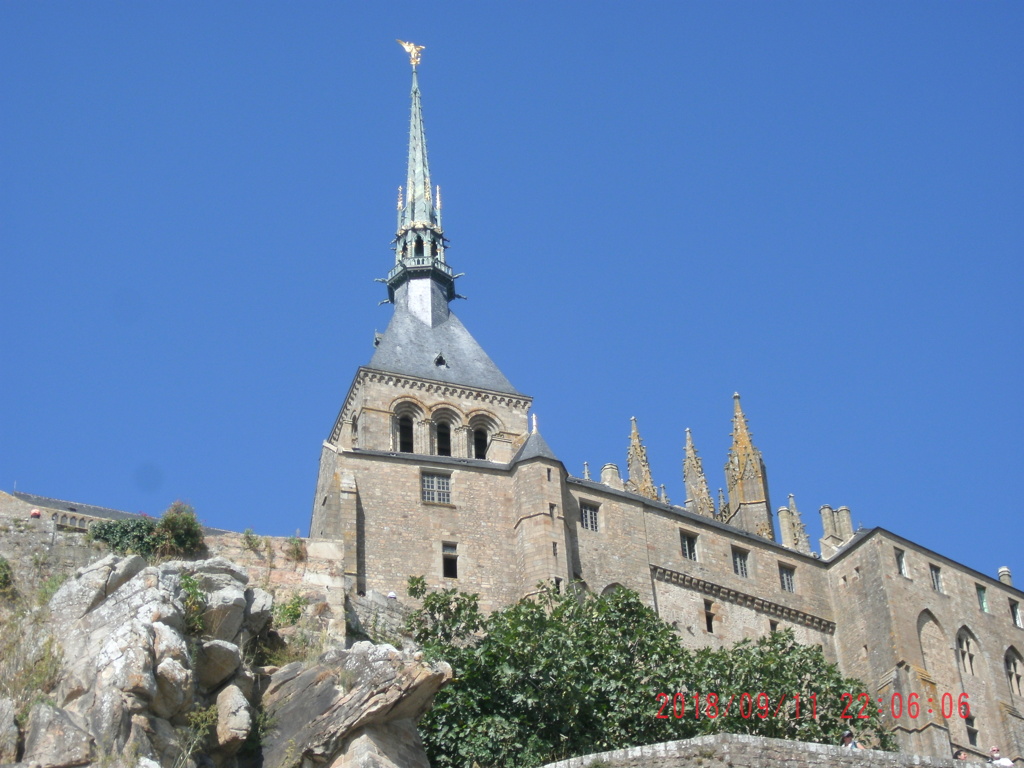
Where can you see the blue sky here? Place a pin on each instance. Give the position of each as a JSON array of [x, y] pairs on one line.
[[655, 204]]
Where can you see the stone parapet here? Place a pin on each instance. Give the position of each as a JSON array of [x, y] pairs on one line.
[[727, 750]]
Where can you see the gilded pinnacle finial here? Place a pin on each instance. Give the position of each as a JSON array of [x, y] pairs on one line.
[[413, 50]]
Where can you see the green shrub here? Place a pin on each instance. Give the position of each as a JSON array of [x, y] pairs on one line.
[[193, 600], [6, 578], [133, 534], [288, 614], [251, 541], [295, 549], [179, 532]]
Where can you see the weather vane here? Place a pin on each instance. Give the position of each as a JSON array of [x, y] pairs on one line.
[[413, 50]]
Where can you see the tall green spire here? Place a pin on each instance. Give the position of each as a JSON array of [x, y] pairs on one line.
[[419, 242]]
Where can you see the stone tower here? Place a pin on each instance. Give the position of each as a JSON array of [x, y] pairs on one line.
[[432, 439], [747, 481]]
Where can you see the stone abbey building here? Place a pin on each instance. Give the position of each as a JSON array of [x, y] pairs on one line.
[[432, 467]]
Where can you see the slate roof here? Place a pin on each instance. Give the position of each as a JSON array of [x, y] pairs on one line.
[[411, 347], [535, 447]]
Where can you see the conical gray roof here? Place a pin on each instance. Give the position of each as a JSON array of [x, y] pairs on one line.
[[445, 351]]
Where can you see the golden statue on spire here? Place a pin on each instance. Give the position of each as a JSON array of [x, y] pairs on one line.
[[413, 50]]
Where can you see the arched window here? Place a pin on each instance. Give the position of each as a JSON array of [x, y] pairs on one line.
[[483, 426], [965, 651], [480, 443], [405, 443], [1014, 672], [444, 438]]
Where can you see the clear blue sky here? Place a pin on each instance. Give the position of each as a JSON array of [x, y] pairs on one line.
[[818, 204]]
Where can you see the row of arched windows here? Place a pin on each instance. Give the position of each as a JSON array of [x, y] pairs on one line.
[[445, 432]]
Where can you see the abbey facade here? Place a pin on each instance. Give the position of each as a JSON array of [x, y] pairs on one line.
[[432, 467]]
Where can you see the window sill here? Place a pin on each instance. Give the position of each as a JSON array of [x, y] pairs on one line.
[[437, 504]]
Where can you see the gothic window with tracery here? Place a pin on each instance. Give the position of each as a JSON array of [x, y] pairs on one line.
[[965, 651], [1014, 672]]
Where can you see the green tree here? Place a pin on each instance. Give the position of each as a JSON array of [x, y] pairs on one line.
[[570, 674]]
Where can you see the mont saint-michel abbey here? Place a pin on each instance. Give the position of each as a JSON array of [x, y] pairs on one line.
[[433, 467]]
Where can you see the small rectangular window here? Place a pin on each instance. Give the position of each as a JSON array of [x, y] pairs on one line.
[[982, 597], [739, 562], [1015, 614], [588, 516], [901, 562], [449, 560], [554, 548], [552, 509], [549, 475], [972, 731], [787, 578], [773, 626], [436, 489], [709, 616], [688, 542], [936, 577]]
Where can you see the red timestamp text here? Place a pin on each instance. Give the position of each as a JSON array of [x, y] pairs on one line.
[[748, 705], [860, 706]]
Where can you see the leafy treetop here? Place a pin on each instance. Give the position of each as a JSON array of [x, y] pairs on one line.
[[570, 674]]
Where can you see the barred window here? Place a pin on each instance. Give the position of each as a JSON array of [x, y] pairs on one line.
[[786, 578], [437, 489], [688, 543], [588, 516], [739, 562]]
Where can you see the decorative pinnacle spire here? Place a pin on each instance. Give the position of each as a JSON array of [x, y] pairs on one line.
[[640, 479], [698, 497], [419, 243]]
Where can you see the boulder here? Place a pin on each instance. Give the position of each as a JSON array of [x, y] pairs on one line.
[[216, 661], [317, 709], [259, 609], [234, 720], [174, 689], [225, 610], [54, 740]]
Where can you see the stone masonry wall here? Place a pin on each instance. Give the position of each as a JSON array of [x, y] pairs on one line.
[[735, 751]]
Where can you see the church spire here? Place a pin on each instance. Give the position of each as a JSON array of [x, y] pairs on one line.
[[419, 242], [698, 497], [640, 479], [746, 480]]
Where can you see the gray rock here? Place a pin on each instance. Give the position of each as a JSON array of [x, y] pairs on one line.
[[54, 741], [234, 720], [317, 709], [91, 585], [259, 609], [8, 732], [216, 661], [174, 689], [225, 609]]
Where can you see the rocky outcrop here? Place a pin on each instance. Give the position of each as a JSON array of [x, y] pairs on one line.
[[136, 684], [322, 712]]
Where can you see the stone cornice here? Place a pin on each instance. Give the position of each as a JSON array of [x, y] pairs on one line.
[[412, 383], [742, 598]]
